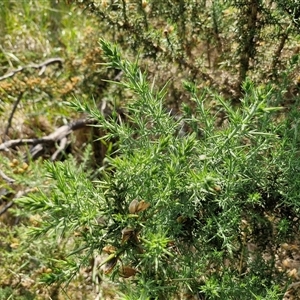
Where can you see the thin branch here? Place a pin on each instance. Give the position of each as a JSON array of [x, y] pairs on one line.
[[8, 205], [6, 178], [56, 136], [41, 66], [249, 30], [277, 54], [63, 144], [19, 142], [293, 285], [12, 114]]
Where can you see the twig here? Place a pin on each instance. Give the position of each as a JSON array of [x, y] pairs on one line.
[[249, 29], [11, 203], [36, 151], [62, 146], [6, 178], [12, 114], [6, 207], [293, 286], [277, 54], [41, 66], [50, 139], [19, 142]]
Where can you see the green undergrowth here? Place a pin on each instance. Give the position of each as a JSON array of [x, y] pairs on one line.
[[178, 204]]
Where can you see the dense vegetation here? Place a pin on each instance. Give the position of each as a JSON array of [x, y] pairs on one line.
[[149, 149]]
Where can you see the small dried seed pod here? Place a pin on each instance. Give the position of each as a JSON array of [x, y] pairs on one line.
[[217, 188], [133, 206], [181, 219], [109, 249], [143, 205], [108, 267], [126, 271], [127, 233]]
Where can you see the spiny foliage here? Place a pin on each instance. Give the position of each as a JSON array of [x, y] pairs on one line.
[[176, 209]]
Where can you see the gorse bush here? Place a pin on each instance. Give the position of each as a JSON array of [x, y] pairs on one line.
[[183, 207]]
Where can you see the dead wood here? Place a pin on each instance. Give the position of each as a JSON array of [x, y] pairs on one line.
[[59, 136], [6, 178], [41, 66], [12, 114], [18, 195]]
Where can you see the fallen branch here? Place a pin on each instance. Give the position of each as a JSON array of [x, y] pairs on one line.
[[41, 66], [19, 194], [62, 146], [6, 178], [6, 207], [55, 137], [12, 114]]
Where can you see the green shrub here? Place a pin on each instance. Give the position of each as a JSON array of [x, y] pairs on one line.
[[178, 205]]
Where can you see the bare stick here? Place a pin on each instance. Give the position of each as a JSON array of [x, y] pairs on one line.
[[41, 66], [57, 135], [12, 114], [6, 178], [11, 203], [6, 207], [62, 146], [279, 49]]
